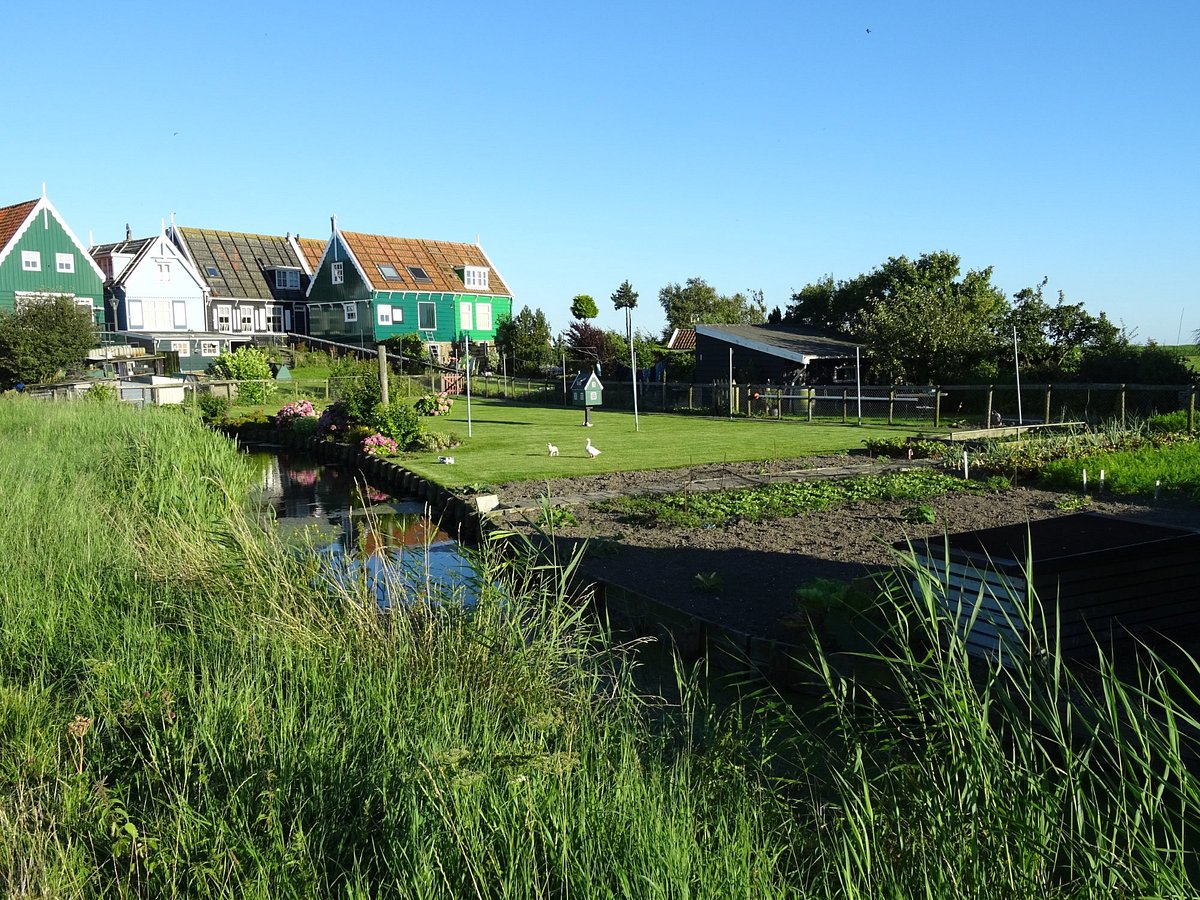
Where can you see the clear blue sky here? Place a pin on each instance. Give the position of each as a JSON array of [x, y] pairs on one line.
[[755, 145]]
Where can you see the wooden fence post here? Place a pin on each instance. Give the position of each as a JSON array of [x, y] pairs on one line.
[[1191, 413], [891, 404], [1046, 417], [845, 408], [989, 408], [937, 406], [1122, 407]]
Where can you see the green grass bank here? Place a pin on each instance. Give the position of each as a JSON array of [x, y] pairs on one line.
[[184, 712]]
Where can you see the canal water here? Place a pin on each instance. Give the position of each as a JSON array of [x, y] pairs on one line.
[[364, 536]]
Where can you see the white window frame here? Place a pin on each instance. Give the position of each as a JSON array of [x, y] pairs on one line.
[[64, 263], [179, 313], [483, 317], [475, 277], [183, 348], [86, 303], [275, 317], [210, 348], [287, 279], [337, 274], [426, 304], [384, 314], [223, 311], [246, 319], [164, 272], [133, 313], [31, 261], [466, 319], [349, 312]]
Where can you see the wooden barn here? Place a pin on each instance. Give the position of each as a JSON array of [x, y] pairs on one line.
[[775, 354]]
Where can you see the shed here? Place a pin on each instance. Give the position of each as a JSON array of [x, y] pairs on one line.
[[586, 389], [1096, 578]]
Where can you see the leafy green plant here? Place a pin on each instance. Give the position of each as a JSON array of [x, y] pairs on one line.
[[921, 514], [712, 582], [555, 516], [101, 393], [398, 421], [250, 368], [1073, 501]]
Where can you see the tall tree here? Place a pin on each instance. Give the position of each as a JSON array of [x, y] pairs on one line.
[[590, 346], [525, 338], [42, 338], [1052, 339], [697, 302], [584, 307]]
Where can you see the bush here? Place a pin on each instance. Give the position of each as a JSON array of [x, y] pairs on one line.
[[334, 421], [297, 409], [397, 421], [427, 441], [357, 384], [434, 404], [100, 393], [212, 407], [250, 369], [379, 445]]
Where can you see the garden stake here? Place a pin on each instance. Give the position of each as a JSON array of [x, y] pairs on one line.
[[1085, 481], [1100, 490]]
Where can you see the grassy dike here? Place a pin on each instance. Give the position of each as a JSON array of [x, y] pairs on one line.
[[182, 715]]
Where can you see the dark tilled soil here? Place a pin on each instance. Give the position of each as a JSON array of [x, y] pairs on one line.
[[760, 565]]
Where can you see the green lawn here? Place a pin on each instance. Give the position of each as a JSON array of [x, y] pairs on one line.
[[508, 442]]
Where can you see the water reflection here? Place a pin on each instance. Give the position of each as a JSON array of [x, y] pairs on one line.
[[367, 539]]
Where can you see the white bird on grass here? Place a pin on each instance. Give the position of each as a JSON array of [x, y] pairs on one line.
[[553, 450], [593, 452]]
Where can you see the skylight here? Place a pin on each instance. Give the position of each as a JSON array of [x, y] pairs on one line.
[[418, 274], [389, 273], [213, 271]]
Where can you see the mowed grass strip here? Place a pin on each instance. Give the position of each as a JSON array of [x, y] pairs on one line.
[[508, 442]]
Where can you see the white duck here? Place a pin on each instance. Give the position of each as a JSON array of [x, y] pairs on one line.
[[593, 452]]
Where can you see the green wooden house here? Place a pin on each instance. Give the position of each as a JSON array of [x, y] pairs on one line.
[[40, 257], [368, 288]]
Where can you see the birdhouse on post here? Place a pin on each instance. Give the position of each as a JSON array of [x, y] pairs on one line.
[[587, 391]]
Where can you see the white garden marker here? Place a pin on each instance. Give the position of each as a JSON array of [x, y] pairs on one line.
[[1101, 481], [966, 466]]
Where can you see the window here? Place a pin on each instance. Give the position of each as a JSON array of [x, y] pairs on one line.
[[389, 272], [349, 310], [275, 318], [475, 277], [385, 314], [135, 314], [426, 316], [247, 318], [419, 274], [86, 303], [287, 279], [465, 319], [164, 271], [31, 260], [179, 314], [64, 262], [483, 316], [335, 273], [210, 348], [224, 317], [213, 271], [183, 348]]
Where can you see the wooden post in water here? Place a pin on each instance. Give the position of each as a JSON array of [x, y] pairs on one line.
[[381, 350]]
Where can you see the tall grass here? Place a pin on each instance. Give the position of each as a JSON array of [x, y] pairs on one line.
[[183, 714]]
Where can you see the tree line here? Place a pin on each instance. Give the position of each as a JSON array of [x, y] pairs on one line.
[[918, 320]]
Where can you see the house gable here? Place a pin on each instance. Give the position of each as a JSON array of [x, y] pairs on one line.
[[40, 255]]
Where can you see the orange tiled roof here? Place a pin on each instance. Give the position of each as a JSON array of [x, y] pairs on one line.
[[12, 218], [682, 339], [312, 248], [439, 259]]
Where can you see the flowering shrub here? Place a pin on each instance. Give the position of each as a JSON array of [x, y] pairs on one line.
[[379, 445], [334, 421], [297, 409], [434, 404], [398, 421]]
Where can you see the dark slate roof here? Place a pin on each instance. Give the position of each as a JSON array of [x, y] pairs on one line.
[[132, 248], [242, 261], [798, 344]]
